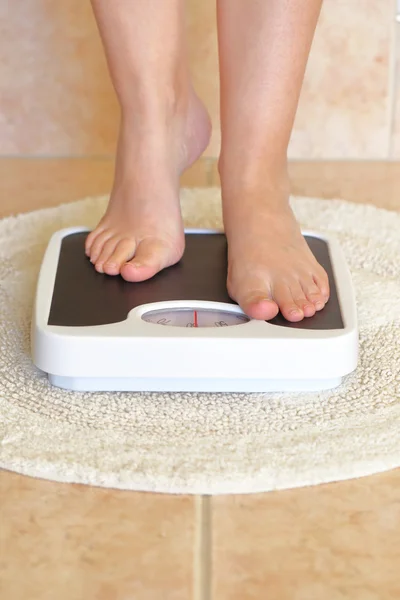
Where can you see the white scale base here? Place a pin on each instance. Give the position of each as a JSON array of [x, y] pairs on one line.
[[135, 355], [123, 384]]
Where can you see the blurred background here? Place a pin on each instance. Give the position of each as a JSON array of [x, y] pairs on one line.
[[57, 102]]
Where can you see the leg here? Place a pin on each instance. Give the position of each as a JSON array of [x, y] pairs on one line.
[[264, 47], [164, 128]]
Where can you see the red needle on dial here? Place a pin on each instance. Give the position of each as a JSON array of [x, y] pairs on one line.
[[195, 319]]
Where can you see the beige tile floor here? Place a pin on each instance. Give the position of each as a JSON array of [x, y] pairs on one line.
[[69, 542]]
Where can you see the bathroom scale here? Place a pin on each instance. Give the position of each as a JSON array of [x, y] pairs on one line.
[[180, 330]]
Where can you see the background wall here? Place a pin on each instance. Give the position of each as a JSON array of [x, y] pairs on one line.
[[56, 98]]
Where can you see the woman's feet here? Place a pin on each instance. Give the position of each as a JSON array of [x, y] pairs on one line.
[[141, 232], [271, 267]]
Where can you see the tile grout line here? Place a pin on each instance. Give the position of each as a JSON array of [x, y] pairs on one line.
[[203, 549]]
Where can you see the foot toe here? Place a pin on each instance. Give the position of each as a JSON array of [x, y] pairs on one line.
[[314, 294], [287, 305], [291, 312], [301, 301], [91, 237], [105, 253], [123, 252], [98, 245], [321, 280], [305, 306], [259, 306], [151, 256], [89, 241], [252, 294], [317, 299]]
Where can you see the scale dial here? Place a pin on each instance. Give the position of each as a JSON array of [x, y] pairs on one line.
[[192, 317]]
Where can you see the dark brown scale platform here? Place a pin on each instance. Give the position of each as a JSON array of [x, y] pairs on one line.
[[82, 297]]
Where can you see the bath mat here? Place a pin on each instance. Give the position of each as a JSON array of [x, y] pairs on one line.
[[206, 443]]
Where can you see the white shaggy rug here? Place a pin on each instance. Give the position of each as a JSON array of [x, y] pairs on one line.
[[206, 443]]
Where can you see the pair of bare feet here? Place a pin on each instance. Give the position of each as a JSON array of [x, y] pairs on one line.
[[270, 267]]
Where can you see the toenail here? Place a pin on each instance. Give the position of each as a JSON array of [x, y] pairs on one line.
[[319, 305], [295, 311]]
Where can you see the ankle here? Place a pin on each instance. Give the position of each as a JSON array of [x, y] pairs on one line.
[[268, 176], [151, 103]]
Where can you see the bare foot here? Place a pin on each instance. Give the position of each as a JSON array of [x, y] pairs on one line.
[[142, 231], [271, 267]]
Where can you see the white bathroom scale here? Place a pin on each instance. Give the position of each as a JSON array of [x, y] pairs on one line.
[[180, 330]]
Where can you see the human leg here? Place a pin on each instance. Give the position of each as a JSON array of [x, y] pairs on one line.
[[264, 47], [164, 128]]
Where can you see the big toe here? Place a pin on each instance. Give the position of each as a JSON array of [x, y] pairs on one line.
[[259, 307], [254, 300], [152, 255]]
